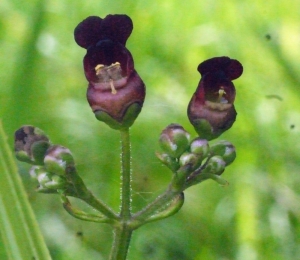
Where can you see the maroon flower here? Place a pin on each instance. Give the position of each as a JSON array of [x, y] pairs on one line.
[[211, 110], [115, 92]]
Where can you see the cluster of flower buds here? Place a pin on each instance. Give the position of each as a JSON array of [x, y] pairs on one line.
[[193, 161], [52, 164]]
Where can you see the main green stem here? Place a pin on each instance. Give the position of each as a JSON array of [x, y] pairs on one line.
[[126, 176], [122, 231]]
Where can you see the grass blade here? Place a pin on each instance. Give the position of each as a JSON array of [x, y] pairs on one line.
[[19, 229]]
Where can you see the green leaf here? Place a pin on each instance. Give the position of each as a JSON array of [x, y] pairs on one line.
[[19, 229]]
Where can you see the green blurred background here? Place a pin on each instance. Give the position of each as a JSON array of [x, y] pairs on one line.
[[42, 83]]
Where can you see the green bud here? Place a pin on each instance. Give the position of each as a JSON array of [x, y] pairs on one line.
[[169, 161], [35, 171], [194, 160], [216, 165], [174, 140], [57, 182], [44, 177], [31, 144], [58, 159], [224, 149], [200, 147]]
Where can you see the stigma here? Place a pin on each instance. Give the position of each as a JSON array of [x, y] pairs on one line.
[[221, 93]]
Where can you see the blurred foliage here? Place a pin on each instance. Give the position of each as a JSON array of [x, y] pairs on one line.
[[42, 83]]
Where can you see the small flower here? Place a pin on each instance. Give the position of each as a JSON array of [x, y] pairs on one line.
[[115, 92], [211, 110]]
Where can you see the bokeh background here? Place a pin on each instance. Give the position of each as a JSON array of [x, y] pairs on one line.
[[42, 83]]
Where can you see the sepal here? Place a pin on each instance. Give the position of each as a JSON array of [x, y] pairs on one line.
[[127, 120]]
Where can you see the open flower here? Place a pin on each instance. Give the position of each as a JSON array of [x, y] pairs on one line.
[[115, 92], [211, 110]]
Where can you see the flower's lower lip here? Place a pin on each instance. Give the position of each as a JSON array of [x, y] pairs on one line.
[[107, 85], [217, 106]]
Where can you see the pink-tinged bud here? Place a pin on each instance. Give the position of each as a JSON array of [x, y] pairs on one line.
[[58, 159], [115, 92], [31, 144], [211, 110]]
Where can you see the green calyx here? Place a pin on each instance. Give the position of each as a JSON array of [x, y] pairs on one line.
[[127, 120], [204, 129]]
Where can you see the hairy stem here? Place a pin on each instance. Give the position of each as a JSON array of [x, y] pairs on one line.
[[123, 231], [79, 190], [126, 176], [122, 236]]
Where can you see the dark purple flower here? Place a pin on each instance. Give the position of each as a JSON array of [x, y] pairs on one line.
[[211, 109], [115, 92]]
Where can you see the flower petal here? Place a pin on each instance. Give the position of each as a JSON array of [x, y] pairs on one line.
[[116, 104], [231, 68], [215, 87], [88, 32], [234, 70], [117, 27], [106, 53]]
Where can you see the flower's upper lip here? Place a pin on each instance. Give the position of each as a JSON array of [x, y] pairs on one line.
[[93, 29], [232, 69]]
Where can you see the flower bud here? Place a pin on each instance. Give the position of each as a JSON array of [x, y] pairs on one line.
[[57, 182], [49, 182], [216, 165], [200, 147], [58, 159], [44, 177], [224, 149], [35, 171], [174, 140], [194, 160], [31, 144], [169, 161]]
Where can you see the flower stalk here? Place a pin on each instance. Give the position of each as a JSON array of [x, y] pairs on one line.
[[125, 175]]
